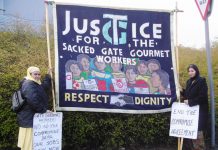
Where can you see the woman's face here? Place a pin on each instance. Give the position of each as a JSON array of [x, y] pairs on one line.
[[131, 75], [155, 80], [153, 67], [85, 63], [115, 67], [191, 72], [100, 65], [36, 75], [75, 70], [142, 68]]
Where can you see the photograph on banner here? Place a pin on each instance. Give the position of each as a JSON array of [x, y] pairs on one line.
[[184, 121], [112, 59]]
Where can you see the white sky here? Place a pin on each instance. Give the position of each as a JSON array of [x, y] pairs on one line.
[[191, 27]]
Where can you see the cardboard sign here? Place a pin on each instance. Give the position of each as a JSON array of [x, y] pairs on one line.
[[90, 85], [120, 85], [47, 131], [69, 80], [184, 121], [141, 90]]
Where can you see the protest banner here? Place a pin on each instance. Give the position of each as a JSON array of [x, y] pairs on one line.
[[47, 131], [184, 121], [113, 60]]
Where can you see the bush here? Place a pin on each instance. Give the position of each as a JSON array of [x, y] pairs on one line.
[[83, 130]]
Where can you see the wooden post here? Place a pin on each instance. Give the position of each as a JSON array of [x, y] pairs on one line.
[[49, 54], [181, 143], [178, 143], [176, 10]]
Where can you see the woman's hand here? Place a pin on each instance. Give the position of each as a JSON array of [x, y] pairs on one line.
[[50, 71], [48, 111], [186, 102]]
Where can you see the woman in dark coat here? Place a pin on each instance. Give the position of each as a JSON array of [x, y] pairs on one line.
[[34, 92], [196, 93]]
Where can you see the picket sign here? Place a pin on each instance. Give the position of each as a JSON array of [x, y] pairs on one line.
[[184, 121], [47, 131]]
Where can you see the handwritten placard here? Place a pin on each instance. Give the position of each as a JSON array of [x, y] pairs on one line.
[[184, 121], [47, 131]]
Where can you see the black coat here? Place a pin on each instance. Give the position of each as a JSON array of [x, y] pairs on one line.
[[196, 93], [36, 101]]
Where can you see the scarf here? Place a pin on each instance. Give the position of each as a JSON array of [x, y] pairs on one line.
[[29, 76]]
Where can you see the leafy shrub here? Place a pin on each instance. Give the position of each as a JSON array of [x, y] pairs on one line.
[[83, 130]]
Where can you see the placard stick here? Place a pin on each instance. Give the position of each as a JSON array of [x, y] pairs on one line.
[[181, 143], [49, 54], [176, 11], [178, 143], [177, 56]]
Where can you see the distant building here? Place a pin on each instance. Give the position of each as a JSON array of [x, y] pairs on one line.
[[26, 11]]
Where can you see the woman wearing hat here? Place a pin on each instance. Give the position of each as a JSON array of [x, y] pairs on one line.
[[196, 94], [34, 92]]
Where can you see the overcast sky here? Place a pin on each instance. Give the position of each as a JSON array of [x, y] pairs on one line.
[[191, 27]]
